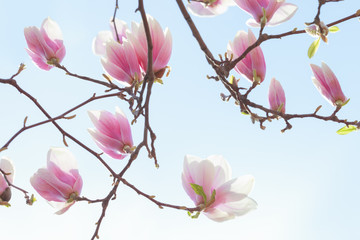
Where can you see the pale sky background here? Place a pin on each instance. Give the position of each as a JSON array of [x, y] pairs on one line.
[[307, 179]]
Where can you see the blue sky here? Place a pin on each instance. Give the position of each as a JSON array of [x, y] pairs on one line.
[[306, 179]]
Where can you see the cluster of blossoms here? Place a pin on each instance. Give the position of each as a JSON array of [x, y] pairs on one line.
[[253, 66], [124, 52], [125, 56]]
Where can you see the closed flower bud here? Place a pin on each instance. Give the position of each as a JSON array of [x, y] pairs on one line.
[[112, 133], [276, 96], [328, 85]]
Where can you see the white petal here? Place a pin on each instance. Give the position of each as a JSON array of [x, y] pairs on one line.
[[240, 185], [284, 13], [52, 29], [221, 167], [218, 215], [99, 42], [252, 23], [239, 208], [62, 158]]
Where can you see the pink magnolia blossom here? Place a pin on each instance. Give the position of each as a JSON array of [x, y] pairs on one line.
[[276, 96], [214, 173], [112, 133], [60, 182], [253, 66], [328, 85], [267, 12], [209, 8], [7, 167], [162, 45], [45, 45], [121, 62], [103, 37]]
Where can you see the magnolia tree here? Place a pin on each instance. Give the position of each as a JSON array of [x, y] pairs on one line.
[[135, 60]]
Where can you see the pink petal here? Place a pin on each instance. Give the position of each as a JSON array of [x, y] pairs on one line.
[[190, 169], [123, 56], [276, 95], [110, 146], [49, 187], [39, 61], [125, 129], [257, 58], [333, 83], [116, 72], [106, 123], [252, 7], [163, 56]]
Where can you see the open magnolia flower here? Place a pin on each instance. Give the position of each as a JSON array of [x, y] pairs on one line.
[[45, 45], [328, 85], [267, 12], [112, 133], [162, 45], [103, 37], [209, 8], [253, 66], [60, 182], [208, 183], [7, 167], [277, 98]]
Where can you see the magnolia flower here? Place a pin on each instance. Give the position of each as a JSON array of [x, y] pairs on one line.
[[121, 62], [253, 66], [46, 46], [224, 198], [276, 96], [112, 133], [267, 12], [162, 44], [328, 85], [60, 182], [7, 167], [209, 8], [103, 37]]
